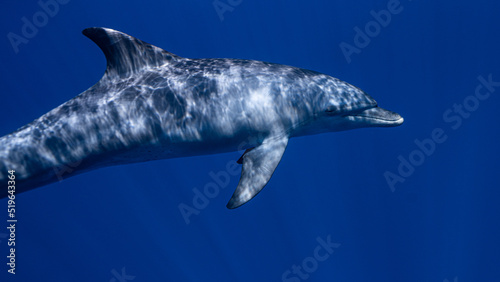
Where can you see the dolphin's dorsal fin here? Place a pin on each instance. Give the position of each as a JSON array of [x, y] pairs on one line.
[[259, 164], [125, 54]]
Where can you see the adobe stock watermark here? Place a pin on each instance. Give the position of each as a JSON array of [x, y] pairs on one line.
[[223, 6], [30, 27], [454, 280], [309, 265], [201, 200], [363, 37], [454, 117], [121, 276], [65, 169]]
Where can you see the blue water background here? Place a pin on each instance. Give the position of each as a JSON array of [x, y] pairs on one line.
[[440, 224]]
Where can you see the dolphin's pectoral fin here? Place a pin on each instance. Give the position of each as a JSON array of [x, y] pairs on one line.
[[259, 164]]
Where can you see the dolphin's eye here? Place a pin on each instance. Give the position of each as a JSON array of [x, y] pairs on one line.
[[331, 110]]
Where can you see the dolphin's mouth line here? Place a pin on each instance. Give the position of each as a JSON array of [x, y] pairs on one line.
[[377, 117], [374, 118]]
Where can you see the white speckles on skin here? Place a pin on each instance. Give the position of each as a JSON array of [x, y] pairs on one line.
[[152, 104], [263, 110]]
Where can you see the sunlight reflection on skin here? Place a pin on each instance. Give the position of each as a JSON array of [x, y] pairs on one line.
[[152, 104]]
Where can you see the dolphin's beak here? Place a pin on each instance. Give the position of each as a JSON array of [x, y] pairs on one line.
[[378, 117]]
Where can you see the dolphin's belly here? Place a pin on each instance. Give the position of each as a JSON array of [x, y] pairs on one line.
[[168, 148]]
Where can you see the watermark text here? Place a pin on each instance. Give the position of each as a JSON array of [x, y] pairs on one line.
[[31, 26], [310, 264], [454, 117]]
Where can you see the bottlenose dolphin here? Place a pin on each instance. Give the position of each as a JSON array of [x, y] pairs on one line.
[[151, 104]]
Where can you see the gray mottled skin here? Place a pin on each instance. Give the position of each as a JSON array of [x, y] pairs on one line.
[[152, 104]]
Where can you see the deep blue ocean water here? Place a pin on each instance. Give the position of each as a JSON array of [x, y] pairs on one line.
[[419, 202]]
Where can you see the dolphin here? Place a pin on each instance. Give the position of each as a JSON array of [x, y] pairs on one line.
[[151, 104]]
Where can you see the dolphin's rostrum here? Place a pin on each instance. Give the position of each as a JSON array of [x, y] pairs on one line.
[[151, 104]]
